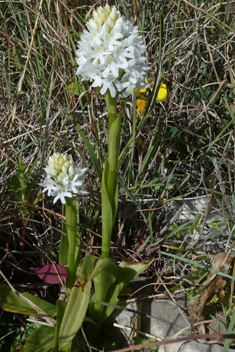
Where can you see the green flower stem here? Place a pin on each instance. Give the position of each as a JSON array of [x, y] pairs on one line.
[[64, 245], [113, 145], [112, 108], [78, 252], [71, 225], [109, 197]]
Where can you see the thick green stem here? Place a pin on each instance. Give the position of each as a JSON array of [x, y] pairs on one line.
[[78, 252], [64, 245], [71, 225], [112, 108], [109, 179]]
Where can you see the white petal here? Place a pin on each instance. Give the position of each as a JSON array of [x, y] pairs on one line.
[[68, 180], [111, 45], [97, 81]]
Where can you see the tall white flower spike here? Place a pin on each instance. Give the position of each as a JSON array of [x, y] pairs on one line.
[[63, 179], [111, 53]]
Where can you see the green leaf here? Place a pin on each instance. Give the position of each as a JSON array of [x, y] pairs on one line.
[[109, 195], [100, 265], [40, 340], [113, 143], [93, 265], [11, 302], [107, 212], [71, 225], [125, 273], [75, 312], [60, 308], [113, 148], [74, 88], [141, 340], [230, 330], [64, 243], [80, 296], [88, 265], [102, 282]]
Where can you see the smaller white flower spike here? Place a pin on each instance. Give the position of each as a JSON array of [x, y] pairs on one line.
[[111, 53], [63, 179]]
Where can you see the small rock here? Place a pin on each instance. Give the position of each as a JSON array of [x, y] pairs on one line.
[[160, 318]]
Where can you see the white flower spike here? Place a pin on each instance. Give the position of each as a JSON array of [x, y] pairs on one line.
[[63, 179], [111, 53]]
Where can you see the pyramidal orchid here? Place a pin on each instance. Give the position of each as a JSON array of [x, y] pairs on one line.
[[111, 53], [64, 178], [64, 181]]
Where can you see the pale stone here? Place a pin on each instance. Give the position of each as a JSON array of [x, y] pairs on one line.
[[161, 318]]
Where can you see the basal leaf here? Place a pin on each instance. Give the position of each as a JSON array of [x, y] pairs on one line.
[[102, 282], [75, 312], [11, 302], [40, 340], [125, 273]]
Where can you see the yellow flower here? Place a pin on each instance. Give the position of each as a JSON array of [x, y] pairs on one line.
[[138, 92], [140, 106], [162, 93]]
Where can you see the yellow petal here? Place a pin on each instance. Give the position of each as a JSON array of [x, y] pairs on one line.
[[137, 92], [139, 110], [141, 103], [162, 93]]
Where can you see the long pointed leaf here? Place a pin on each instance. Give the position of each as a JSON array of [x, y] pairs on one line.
[[75, 312], [102, 282], [107, 212], [125, 273], [11, 302], [78, 303], [40, 340], [60, 307]]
